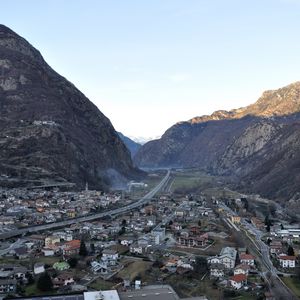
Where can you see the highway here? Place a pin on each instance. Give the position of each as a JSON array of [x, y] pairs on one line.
[[144, 200]]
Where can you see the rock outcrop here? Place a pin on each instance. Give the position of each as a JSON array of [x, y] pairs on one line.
[[257, 145], [49, 131]]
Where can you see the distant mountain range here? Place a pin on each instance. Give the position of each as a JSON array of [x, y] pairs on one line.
[[49, 131], [257, 146]]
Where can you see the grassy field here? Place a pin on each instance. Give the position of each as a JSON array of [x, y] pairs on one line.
[[220, 192], [191, 287], [49, 260], [134, 269], [192, 180], [100, 284], [32, 290], [293, 284]]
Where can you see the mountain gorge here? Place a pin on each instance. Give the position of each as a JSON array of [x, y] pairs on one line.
[[256, 146], [50, 132], [131, 145]]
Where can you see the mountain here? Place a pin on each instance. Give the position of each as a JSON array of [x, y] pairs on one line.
[[257, 146], [49, 131], [143, 140], [131, 145]]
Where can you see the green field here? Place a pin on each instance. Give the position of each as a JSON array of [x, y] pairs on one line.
[[293, 284], [100, 284], [32, 290], [192, 181]]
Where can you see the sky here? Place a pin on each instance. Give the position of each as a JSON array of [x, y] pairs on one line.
[[150, 64]]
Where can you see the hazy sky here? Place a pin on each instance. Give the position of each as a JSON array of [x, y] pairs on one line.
[[149, 64]]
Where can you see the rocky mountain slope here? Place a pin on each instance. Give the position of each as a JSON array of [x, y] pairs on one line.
[[257, 145], [49, 131], [131, 145]]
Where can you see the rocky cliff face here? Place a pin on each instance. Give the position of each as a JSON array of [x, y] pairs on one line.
[[256, 145], [49, 131]]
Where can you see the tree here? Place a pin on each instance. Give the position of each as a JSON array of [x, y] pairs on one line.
[[268, 223], [82, 250], [44, 282], [124, 222], [290, 251], [200, 265], [122, 230], [29, 277], [73, 262]]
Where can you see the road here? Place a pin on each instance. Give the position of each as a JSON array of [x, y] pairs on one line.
[[144, 200], [276, 285], [13, 246]]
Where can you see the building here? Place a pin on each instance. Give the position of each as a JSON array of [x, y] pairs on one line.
[[51, 240], [228, 257], [38, 268], [247, 259], [71, 248], [8, 286], [217, 270], [63, 280], [241, 269], [192, 241], [158, 235], [110, 256], [237, 281], [286, 261], [275, 247], [236, 219]]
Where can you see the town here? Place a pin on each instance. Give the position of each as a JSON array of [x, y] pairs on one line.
[[195, 244]]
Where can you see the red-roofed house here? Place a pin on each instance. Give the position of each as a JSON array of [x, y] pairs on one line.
[[247, 259], [71, 248], [287, 261], [237, 281]]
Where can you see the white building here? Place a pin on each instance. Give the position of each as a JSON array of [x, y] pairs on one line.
[[38, 268], [110, 255], [286, 261]]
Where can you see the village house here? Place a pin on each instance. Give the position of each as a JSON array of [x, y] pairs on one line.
[[217, 270], [276, 247], [51, 240], [247, 259], [110, 256], [63, 280], [236, 219], [241, 269], [8, 286], [237, 281], [71, 248], [188, 240], [227, 257], [21, 252], [38, 268], [287, 261]]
